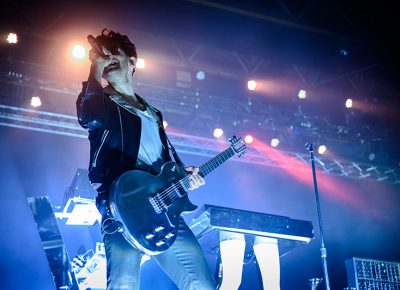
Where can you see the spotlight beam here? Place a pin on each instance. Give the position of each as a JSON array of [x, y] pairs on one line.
[[67, 125]]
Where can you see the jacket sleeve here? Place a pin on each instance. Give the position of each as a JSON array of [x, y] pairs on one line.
[[90, 105]]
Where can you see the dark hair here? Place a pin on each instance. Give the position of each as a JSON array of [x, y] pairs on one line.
[[114, 40]]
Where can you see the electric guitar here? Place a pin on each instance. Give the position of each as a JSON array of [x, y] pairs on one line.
[[149, 206]]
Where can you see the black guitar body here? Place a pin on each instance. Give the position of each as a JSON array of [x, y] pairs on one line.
[[150, 216], [149, 206]]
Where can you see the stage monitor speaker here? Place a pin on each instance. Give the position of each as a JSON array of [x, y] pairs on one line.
[[53, 243], [368, 274], [80, 187]]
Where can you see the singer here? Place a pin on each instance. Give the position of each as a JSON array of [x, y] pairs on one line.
[[126, 133]]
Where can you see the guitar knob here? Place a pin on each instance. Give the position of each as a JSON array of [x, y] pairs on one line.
[[159, 228], [150, 236], [169, 235], [160, 243]]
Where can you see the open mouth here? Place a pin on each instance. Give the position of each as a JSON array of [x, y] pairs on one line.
[[113, 65]]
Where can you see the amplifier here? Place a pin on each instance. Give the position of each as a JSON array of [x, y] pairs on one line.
[[368, 274]]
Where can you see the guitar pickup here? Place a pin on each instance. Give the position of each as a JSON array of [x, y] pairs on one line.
[[155, 203]]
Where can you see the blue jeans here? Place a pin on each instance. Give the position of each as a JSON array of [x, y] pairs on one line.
[[184, 261]]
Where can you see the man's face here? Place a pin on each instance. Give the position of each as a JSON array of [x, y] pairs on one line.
[[119, 67]]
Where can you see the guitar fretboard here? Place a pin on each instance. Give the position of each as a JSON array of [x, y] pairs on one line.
[[172, 193], [216, 161]]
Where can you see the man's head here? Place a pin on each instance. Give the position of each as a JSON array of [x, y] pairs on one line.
[[114, 40], [122, 53]]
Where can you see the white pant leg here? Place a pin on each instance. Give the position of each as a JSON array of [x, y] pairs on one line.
[[267, 254], [232, 247]]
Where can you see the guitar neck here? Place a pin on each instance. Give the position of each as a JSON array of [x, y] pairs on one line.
[[213, 163], [204, 169]]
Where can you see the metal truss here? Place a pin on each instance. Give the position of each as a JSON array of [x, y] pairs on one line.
[[67, 125], [47, 122], [202, 112], [191, 57], [197, 110]]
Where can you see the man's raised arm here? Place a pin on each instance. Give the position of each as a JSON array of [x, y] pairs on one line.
[[90, 102]]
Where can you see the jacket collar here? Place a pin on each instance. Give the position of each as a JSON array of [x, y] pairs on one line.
[[110, 91]]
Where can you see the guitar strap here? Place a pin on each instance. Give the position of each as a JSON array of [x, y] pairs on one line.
[[170, 146], [176, 156]]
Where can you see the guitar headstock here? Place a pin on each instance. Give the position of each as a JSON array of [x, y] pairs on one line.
[[238, 145]]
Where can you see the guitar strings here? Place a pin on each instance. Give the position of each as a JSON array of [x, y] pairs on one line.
[[167, 192], [213, 161], [226, 154]]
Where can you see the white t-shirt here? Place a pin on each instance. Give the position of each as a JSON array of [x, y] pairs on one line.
[[150, 148]]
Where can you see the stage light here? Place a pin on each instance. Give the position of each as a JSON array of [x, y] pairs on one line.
[[248, 139], [78, 51], [344, 52], [140, 63], [218, 132], [321, 149], [36, 102], [302, 94], [165, 124], [12, 38], [251, 85], [371, 156], [274, 142], [349, 103], [200, 75]]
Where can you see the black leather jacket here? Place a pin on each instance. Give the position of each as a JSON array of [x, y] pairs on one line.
[[114, 133]]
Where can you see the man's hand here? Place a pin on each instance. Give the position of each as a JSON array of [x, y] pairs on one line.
[[98, 63], [195, 180]]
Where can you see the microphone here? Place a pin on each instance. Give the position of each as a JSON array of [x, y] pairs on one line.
[[309, 147], [95, 46]]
